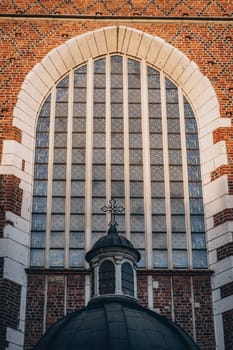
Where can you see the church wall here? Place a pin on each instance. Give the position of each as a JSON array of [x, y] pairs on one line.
[[209, 45], [183, 297]]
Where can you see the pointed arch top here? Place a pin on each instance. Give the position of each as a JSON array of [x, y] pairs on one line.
[[154, 50]]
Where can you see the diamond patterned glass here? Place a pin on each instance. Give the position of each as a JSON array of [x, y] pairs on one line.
[[119, 119]]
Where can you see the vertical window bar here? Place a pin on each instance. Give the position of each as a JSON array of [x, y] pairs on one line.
[[146, 165], [126, 147], [166, 168], [185, 178], [89, 155], [108, 134], [68, 166], [50, 175]]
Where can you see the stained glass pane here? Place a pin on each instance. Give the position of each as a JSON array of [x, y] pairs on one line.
[[141, 262], [138, 240], [98, 188], [60, 155], [159, 240], [42, 139], [59, 188], [58, 222], [135, 110], [117, 189], [76, 239], [60, 124], [200, 259], [158, 206], [39, 204], [136, 172], [79, 109], [40, 188], [56, 258], [137, 223], [77, 222], [61, 109], [195, 189], [58, 205], [197, 223], [178, 223], [154, 96], [193, 157], [179, 241], [154, 110], [57, 239], [41, 155], [77, 205], [37, 257], [198, 241], [180, 259], [159, 223], [59, 172], [38, 240], [76, 258], [160, 259], [38, 222]]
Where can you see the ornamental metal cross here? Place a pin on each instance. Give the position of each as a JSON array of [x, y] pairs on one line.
[[114, 209]]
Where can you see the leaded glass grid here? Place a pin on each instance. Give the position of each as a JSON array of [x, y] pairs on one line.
[[117, 128]]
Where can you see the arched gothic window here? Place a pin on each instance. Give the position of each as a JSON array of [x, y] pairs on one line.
[[127, 277], [107, 278], [117, 128]]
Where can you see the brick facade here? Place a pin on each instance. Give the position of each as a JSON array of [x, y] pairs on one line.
[[10, 198], [29, 30], [10, 293], [182, 297], [228, 329]]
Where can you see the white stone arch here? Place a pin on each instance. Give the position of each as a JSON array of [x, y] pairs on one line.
[[156, 52]]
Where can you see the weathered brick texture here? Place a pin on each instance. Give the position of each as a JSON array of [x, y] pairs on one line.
[[10, 198], [10, 293], [226, 290], [228, 329], [225, 251]]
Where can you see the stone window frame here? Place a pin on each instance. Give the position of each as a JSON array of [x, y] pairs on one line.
[[151, 50]]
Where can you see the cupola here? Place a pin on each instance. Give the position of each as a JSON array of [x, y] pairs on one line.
[[113, 260]]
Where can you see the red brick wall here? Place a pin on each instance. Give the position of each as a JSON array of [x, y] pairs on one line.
[[49, 298], [174, 291], [10, 198], [10, 293], [25, 41], [228, 329]]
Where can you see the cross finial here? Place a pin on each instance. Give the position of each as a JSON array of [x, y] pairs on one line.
[[114, 209]]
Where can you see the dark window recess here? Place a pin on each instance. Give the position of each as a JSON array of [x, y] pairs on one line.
[[107, 278], [127, 279]]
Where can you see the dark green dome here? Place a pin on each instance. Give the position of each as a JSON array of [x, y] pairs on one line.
[[112, 241], [115, 323]]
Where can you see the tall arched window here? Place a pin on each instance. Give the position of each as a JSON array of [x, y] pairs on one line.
[[117, 128], [107, 278]]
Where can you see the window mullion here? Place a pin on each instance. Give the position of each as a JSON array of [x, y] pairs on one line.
[[185, 177], [146, 165], [166, 169], [68, 166], [89, 154], [50, 175], [108, 133], [126, 147]]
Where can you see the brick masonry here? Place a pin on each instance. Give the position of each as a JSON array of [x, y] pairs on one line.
[[226, 290], [10, 198], [172, 296], [10, 293], [202, 42], [225, 251], [228, 329]]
